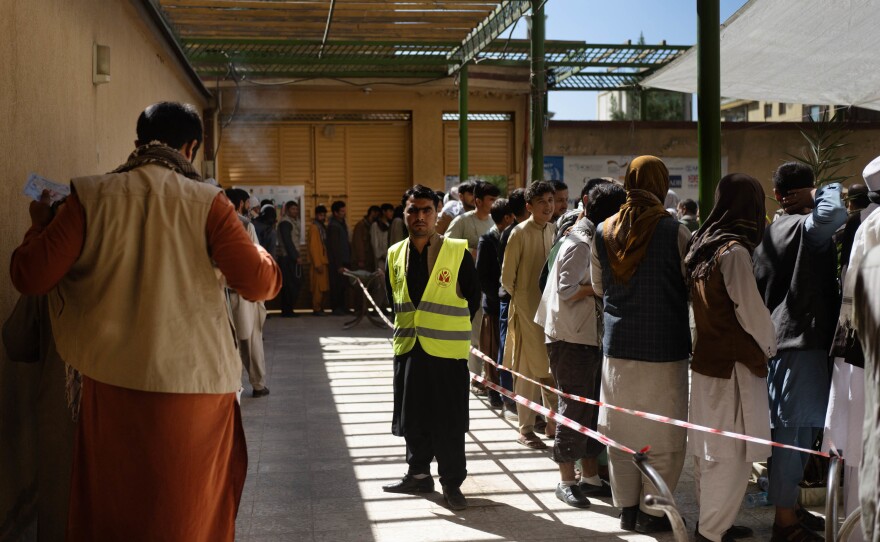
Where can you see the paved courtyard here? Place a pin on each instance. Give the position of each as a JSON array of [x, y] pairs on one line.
[[320, 449]]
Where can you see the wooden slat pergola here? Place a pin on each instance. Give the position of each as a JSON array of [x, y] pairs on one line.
[[393, 39]]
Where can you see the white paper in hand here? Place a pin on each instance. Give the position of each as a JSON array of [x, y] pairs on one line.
[[35, 185]]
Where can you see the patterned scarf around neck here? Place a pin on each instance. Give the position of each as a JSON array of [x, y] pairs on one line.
[[158, 153]]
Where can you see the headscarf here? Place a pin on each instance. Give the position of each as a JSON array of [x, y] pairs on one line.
[[738, 216], [628, 233]]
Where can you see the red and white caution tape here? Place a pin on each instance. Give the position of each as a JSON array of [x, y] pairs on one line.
[[648, 415], [559, 418], [372, 301], [598, 436], [541, 409]]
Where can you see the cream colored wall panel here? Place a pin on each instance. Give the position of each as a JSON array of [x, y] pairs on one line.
[[55, 121]]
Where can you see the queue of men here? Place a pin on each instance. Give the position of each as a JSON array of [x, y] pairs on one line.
[[594, 304], [608, 319]]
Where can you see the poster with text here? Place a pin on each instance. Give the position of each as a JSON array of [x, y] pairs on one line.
[[577, 170]]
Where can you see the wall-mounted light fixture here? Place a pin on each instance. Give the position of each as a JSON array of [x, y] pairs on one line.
[[100, 64]]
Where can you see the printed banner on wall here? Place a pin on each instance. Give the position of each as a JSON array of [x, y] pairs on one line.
[[575, 171], [280, 194]]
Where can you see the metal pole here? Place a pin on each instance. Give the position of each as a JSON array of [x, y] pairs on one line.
[[463, 124], [850, 524], [539, 90], [643, 103], [664, 501], [831, 492], [709, 101]]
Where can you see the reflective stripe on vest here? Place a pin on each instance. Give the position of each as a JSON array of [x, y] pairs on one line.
[[441, 322]]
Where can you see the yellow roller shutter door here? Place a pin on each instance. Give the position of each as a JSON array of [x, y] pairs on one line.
[[361, 164], [379, 166], [249, 154], [490, 149]]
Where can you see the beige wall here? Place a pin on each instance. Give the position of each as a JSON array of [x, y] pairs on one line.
[[756, 149], [55, 122], [426, 104]]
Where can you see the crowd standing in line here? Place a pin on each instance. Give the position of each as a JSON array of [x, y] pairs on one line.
[[592, 301], [649, 257]]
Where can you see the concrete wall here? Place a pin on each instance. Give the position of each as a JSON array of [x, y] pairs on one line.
[[55, 122], [753, 148], [426, 105]]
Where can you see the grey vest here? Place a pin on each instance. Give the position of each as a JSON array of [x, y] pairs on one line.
[[798, 285], [647, 319]]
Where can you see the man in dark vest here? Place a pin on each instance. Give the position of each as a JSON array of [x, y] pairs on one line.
[[796, 271], [433, 286]]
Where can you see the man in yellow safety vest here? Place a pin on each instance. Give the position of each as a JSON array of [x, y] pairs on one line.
[[433, 286]]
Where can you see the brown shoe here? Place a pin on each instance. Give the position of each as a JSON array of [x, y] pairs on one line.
[[531, 440]]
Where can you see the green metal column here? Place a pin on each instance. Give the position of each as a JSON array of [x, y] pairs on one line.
[[463, 124], [539, 91], [643, 103], [708, 101]]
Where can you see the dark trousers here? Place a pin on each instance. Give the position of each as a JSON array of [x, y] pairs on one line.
[[338, 287], [504, 377], [448, 448], [291, 276], [577, 369]]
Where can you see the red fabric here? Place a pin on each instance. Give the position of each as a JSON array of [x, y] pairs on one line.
[[156, 466]]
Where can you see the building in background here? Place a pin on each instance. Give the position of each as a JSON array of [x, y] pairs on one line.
[[737, 110], [661, 105]]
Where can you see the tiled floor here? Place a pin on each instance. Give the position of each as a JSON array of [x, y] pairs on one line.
[[320, 449]]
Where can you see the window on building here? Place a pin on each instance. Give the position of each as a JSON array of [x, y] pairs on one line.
[[781, 108], [768, 110], [813, 112]]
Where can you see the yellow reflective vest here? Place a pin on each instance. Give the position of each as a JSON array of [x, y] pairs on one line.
[[442, 322]]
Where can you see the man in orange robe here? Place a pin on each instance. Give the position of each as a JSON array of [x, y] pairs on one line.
[[136, 306]]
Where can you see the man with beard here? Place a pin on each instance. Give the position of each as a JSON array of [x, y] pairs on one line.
[[434, 289]]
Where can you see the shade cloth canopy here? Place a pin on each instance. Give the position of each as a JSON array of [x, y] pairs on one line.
[[792, 51]]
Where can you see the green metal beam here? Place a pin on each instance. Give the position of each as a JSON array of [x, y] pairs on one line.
[[708, 102], [507, 12], [317, 43], [538, 91], [341, 74], [615, 57], [297, 60], [597, 81]]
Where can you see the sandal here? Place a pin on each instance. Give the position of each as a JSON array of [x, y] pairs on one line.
[[531, 440]]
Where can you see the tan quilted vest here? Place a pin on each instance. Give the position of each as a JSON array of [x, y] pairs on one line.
[[142, 308]]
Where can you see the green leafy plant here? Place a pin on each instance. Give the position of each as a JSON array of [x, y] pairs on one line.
[[825, 141]]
